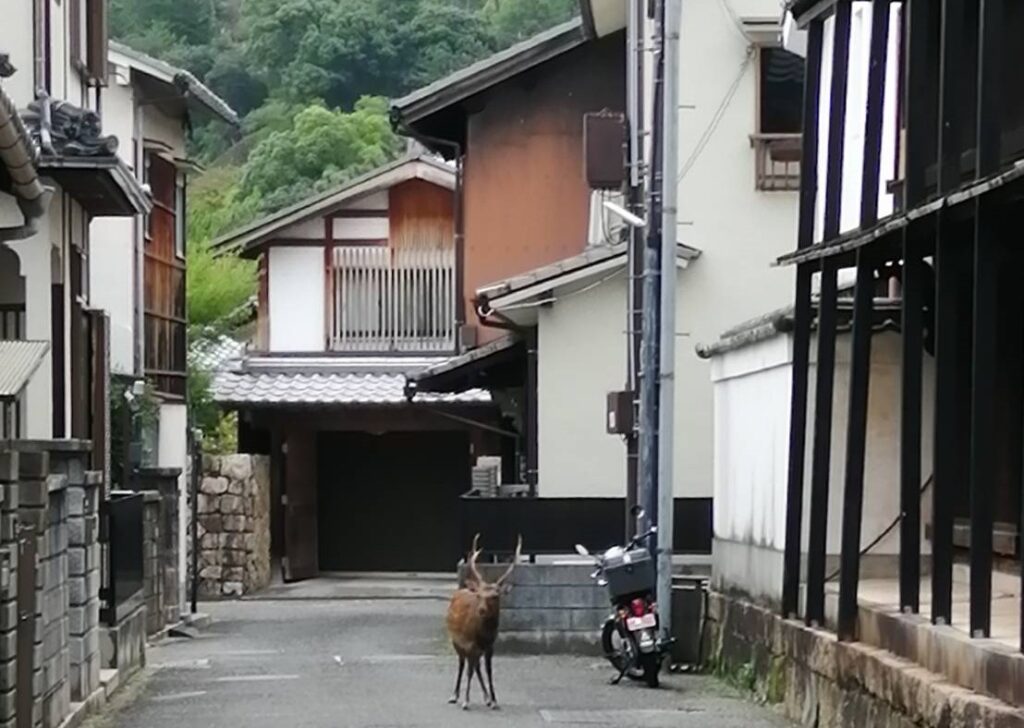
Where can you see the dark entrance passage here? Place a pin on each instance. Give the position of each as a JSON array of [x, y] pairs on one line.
[[391, 502]]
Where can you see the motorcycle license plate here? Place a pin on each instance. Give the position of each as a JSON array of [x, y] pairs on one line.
[[648, 621]]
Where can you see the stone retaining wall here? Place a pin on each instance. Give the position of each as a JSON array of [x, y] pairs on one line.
[[234, 525], [819, 681]]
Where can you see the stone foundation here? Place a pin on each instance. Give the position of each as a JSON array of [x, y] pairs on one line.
[[234, 525], [819, 681]]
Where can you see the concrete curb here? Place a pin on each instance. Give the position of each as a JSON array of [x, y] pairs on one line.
[[91, 706]]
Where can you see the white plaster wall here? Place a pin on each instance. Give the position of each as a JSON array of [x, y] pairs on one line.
[[296, 298], [16, 39], [112, 277], [581, 357], [164, 129], [112, 268], [306, 230], [582, 344], [35, 256], [752, 387], [172, 452], [361, 228], [739, 230]]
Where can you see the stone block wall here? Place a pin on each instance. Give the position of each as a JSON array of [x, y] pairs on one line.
[[48, 502], [8, 588], [160, 546], [153, 593], [234, 525], [84, 492]]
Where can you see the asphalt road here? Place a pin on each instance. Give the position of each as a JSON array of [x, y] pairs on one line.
[[377, 664]]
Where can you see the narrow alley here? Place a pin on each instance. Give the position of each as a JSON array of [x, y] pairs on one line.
[[336, 663]]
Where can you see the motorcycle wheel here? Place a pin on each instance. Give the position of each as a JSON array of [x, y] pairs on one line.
[[651, 665], [619, 652]]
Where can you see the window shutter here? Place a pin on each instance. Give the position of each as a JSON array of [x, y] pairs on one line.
[[96, 40]]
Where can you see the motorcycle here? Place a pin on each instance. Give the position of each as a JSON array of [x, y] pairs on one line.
[[630, 634]]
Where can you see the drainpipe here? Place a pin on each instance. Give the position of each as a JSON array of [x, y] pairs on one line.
[[19, 159], [484, 313], [402, 127]]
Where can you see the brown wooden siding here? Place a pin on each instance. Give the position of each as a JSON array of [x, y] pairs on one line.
[[421, 215], [263, 302], [526, 198], [164, 286]]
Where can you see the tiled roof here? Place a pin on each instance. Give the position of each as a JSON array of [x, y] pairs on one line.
[[337, 387], [18, 362], [211, 356]]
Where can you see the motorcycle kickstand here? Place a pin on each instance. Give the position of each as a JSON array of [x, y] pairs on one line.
[[618, 678]]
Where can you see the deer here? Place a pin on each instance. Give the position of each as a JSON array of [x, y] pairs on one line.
[[473, 615]]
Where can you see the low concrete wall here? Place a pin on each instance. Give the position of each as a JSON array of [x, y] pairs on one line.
[[551, 608], [234, 525], [819, 681]]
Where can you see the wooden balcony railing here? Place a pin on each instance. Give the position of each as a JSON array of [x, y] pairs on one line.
[[391, 300], [777, 162]]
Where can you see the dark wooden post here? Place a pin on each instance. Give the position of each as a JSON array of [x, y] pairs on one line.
[[860, 365], [802, 328], [856, 435], [815, 612], [987, 251], [910, 426]]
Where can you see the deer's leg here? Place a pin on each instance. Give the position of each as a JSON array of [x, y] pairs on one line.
[[474, 665], [483, 688], [458, 680], [490, 678]]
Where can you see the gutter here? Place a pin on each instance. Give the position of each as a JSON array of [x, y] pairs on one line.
[[19, 157]]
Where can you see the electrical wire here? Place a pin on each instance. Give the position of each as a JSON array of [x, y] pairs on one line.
[[716, 119], [889, 529], [735, 19]]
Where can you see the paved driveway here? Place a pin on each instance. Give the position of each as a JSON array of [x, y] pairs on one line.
[[362, 663]]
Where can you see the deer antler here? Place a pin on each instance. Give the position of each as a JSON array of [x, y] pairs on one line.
[[473, 572], [512, 566]]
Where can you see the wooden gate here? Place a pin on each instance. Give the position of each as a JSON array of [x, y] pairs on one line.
[[26, 623], [301, 558]]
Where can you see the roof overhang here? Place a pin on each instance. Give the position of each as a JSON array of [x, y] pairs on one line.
[[763, 32], [804, 11], [18, 362], [18, 173], [543, 284], [103, 186], [247, 239], [495, 365], [175, 89], [436, 110]]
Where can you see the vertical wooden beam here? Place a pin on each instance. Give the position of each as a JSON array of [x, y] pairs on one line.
[[910, 426], [875, 112], [57, 356], [985, 364], [822, 453], [860, 365], [988, 146], [802, 328], [856, 436], [984, 371], [951, 89], [328, 282], [949, 332], [916, 67]]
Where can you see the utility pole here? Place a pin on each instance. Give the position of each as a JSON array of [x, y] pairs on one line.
[[650, 356], [671, 24], [635, 199]]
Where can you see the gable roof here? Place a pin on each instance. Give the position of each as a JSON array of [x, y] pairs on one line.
[[479, 76], [425, 168], [185, 84]]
